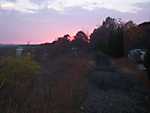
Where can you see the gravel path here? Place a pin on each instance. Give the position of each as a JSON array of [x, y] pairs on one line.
[[112, 92]]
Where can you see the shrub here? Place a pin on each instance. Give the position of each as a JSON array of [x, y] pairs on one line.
[[14, 70]]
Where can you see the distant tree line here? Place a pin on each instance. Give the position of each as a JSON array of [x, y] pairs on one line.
[[114, 38]]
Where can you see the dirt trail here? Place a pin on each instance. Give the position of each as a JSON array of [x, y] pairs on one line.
[[113, 91]]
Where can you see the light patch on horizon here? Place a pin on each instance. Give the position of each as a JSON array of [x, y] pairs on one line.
[[32, 6]]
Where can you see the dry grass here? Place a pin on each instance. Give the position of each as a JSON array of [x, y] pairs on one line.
[[69, 91], [60, 88]]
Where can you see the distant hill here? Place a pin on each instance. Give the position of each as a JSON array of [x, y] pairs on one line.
[[7, 45]]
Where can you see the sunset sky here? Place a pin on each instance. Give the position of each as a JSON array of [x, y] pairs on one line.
[[38, 21]]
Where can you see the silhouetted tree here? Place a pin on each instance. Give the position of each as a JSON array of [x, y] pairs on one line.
[[145, 40], [129, 24], [80, 40], [108, 37], [116, 46], [136, 36]]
